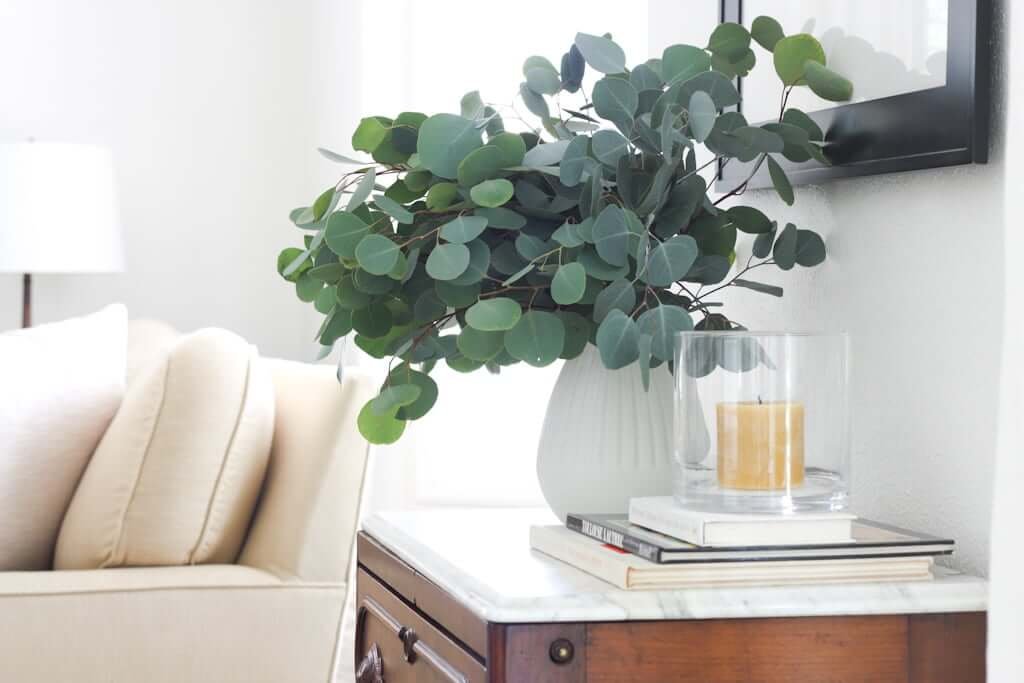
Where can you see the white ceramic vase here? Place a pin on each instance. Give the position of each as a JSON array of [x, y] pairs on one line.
[[605, 439]]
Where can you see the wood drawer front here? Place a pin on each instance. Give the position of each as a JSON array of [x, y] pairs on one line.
[[383, 621]]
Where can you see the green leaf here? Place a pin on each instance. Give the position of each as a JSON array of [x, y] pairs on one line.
[[577, 333], [573, 164], [370, 133], [351, 297], [827, 84], [463, 229], [537, 339], [643, 77], [428, 307], [538, 62], [374, 321], [428, 391], [767, 32], [611, 236], [709, 269], [573, 67], [534, 102], [615, 99], [479, 345], [608, 146], [620, 295], [737, 66], [325, 299], [444, 141], [341, 158], [307, 287], [795, 140], [702, 115], [292, 262], [795, 117], [730, 40], [749, 220], [601, 53], [377, 254], [598, 268], [547, 154], [762, 247], [336, 326], [780, 181], [379, 429], [671, 260], [344, 232], [682, 62], [494, 315], [792, 54], [810, 248], [394, 209], [492, 193], [471, 106], [784, 251], [504, 219], [759, 139], [512, 147], [662, 323], [618, 340], [440, 196], [543, 81], [479, 263], [394, 397], [447, 261], [457, 296], [480, 165], [363, 190], [567, 235], [758, 286], [568, 284]]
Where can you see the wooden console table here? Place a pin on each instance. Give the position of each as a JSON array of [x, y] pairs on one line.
[[458, 596]]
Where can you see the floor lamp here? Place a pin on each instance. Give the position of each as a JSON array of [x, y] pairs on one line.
[[58, 213]]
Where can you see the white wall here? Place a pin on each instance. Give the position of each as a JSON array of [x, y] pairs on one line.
[[208, 107], [916, 275]]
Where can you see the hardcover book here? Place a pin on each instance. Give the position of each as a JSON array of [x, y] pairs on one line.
[[629, 572], [870, 539], [662, 514]]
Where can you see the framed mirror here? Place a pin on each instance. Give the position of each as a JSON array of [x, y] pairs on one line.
[[920, 70]]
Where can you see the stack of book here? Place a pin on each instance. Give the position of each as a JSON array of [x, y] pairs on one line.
[[660, 545]]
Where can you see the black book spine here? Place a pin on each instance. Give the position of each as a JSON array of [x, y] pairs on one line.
[[614, 538]]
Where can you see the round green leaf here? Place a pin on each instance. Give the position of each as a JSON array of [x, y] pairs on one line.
[[494, 315], [759, 140], [810, 248], [480, 165], [730, 40], [457, 296], [608, 146], [441, 195], [512, 146], [611, 235], [447, 261], [504, 219], [537, 339], [394, 209], [394, 397], [377, 254], [795, 117], [577, 333], [767, 32], [344, 232], [307, 287], [325, 299], [379, 429], [373, 321], [682, 62], [335, 326], [597, 267], [784, 251], [372, 284], [351, 297], [460, 363], [826, 83], [574, 161], [428, 307], [702, 115], [492, 193], [534, 102], [601, 53], [479, 345], [543, 81], [662, 323], [538, 62], [615, 99], [403, 374], [749, 220], [479, 263], [618, 296], [370, 133], [791, 55], [618, 340], [568, 284], [463, 229], [671, 260], [444, 141], [546, 154]]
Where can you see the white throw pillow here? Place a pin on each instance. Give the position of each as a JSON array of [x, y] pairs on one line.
[[60, 385], [175, 479]]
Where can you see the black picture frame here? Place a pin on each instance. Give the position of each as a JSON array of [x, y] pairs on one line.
[[943, 126]]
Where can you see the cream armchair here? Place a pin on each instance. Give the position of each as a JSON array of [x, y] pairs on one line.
[[272, 617]]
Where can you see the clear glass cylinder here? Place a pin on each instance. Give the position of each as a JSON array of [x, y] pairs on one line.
[[762, 421]]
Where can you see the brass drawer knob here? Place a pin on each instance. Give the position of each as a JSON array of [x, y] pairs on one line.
[[561, 651]]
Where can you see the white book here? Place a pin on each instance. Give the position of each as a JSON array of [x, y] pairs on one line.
[[712, 529], [630, 572]]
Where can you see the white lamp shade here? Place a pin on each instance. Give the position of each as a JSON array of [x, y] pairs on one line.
[[58, 209]]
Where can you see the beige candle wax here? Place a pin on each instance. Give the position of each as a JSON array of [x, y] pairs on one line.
[[760, 445]]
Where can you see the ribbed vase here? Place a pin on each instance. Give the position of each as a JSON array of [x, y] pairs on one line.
[[605, 439]]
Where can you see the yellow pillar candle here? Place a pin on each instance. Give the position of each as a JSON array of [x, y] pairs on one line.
[[760, 445]]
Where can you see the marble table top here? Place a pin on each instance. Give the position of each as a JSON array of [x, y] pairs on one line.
[[483, 559]]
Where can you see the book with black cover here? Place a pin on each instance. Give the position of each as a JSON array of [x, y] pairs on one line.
[[871, 539]]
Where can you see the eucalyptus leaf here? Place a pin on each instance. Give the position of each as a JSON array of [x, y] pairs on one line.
[[758, 287], [444, 141], [537, 339], [569, 283], [780, 181], [609, 146], [344, 231], [618, 340], [611, 235], [494, 315], [827, 84], [547, 154], [671, 260], [792, 54], [505, 219], [682, 62], [448, 261], [662, 323], [784, 251], [702, 115], [492, 193], [377, 254], [394, 209], [767, 32], [463, 229], [810, 248], [620, 295], [379, 429], [601, 53]]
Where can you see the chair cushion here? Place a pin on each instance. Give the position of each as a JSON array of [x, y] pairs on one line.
[[175, 479], [60, 385]]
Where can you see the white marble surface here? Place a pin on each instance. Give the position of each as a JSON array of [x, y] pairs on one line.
[[483, 558]]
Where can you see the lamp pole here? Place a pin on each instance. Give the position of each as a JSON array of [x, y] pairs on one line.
[[26, 300]]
